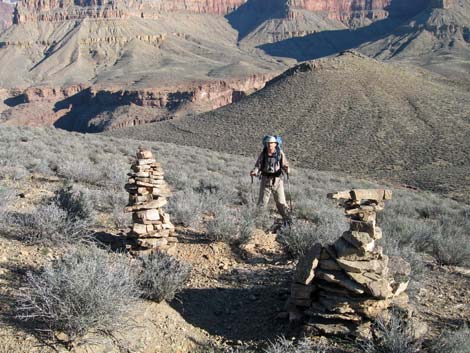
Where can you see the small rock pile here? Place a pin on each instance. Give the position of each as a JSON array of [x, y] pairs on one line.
[[148, 193], [340, 288]]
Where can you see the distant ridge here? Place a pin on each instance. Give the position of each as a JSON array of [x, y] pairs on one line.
[[347, 113]]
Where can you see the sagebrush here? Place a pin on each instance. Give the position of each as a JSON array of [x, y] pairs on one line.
[[86, 290], [162, 276]]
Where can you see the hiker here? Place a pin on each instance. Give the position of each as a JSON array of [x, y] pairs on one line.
[[270, 165]]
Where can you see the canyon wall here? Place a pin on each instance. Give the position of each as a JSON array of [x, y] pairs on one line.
[[346, 10], [59, 10], [342, 10], [66, 107], [6, 15]]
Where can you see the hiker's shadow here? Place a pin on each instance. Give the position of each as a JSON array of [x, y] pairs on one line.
[[248, 312], [191, 236]]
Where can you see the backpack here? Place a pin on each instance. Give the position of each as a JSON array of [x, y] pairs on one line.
[[278, 154]]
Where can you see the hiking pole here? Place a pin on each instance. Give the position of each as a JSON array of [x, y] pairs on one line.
[[252, 193], [290, 194]]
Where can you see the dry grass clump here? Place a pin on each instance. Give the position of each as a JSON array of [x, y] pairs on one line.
[[86, 290], [283, 345]]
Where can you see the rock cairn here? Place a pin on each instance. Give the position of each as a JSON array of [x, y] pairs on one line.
[[148, 193], [341, 287]]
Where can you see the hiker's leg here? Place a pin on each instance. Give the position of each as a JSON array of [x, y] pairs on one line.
[[280, 198], [264, 192]]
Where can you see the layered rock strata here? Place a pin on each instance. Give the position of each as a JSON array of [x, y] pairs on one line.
[[148, 191], [342, 287], [74, 107], [348, 10], [61, 10], [6, 15], [342, 10]]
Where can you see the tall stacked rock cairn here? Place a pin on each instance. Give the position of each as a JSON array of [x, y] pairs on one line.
[[341, 288], [148, 192]]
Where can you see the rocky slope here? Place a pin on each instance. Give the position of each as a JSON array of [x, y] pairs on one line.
[[185, 57], [6, 15], [170, 63], [348, 113], [437, 38]]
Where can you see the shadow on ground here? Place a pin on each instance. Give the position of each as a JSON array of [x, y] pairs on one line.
[[247, 311], [326, 43]]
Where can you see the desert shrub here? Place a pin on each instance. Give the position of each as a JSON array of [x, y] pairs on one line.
[[114, 172], [247, 224], [75, 203], [283, 345], [407, 230], [6, 195], [80, 170], [86, 290], [452, 341], [301, 235], [392, 335], [223, 227], [231, 226], [120, 218], [419, 270], [180, 178], [186, 208], [298, 237], [15, 172], [450, 245], [48, 224], [162, 276]]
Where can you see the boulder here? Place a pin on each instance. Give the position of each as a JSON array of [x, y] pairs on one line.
[[347, 250], [304, 272], [160, 202], [362, 241], [139, 228], [371, 194], [329, 265], [151, 242], [376, 266], [300, 291], [398, 266], [145, 161], [341, 279], [144, 154]]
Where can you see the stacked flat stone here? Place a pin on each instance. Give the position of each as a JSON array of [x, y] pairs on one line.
[[340, 288], [148, 193]]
